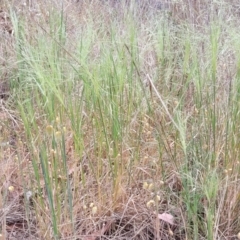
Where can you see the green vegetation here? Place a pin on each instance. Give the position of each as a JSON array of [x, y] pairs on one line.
[[119, 121]]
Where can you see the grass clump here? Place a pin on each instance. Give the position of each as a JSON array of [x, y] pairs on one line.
[[119, 120]]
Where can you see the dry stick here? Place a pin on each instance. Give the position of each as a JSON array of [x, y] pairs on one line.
[[162, 102], [150, 88], [155, 90]]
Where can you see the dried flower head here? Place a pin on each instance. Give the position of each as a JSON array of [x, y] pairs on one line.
[[161, 183], [11, 188], [145, 185], [158, 198], [58, 135], [29, 195], [151, 186], [49, 129], [170, 232], [57, 120], [110, 152], [150, 203], [94, 210]]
